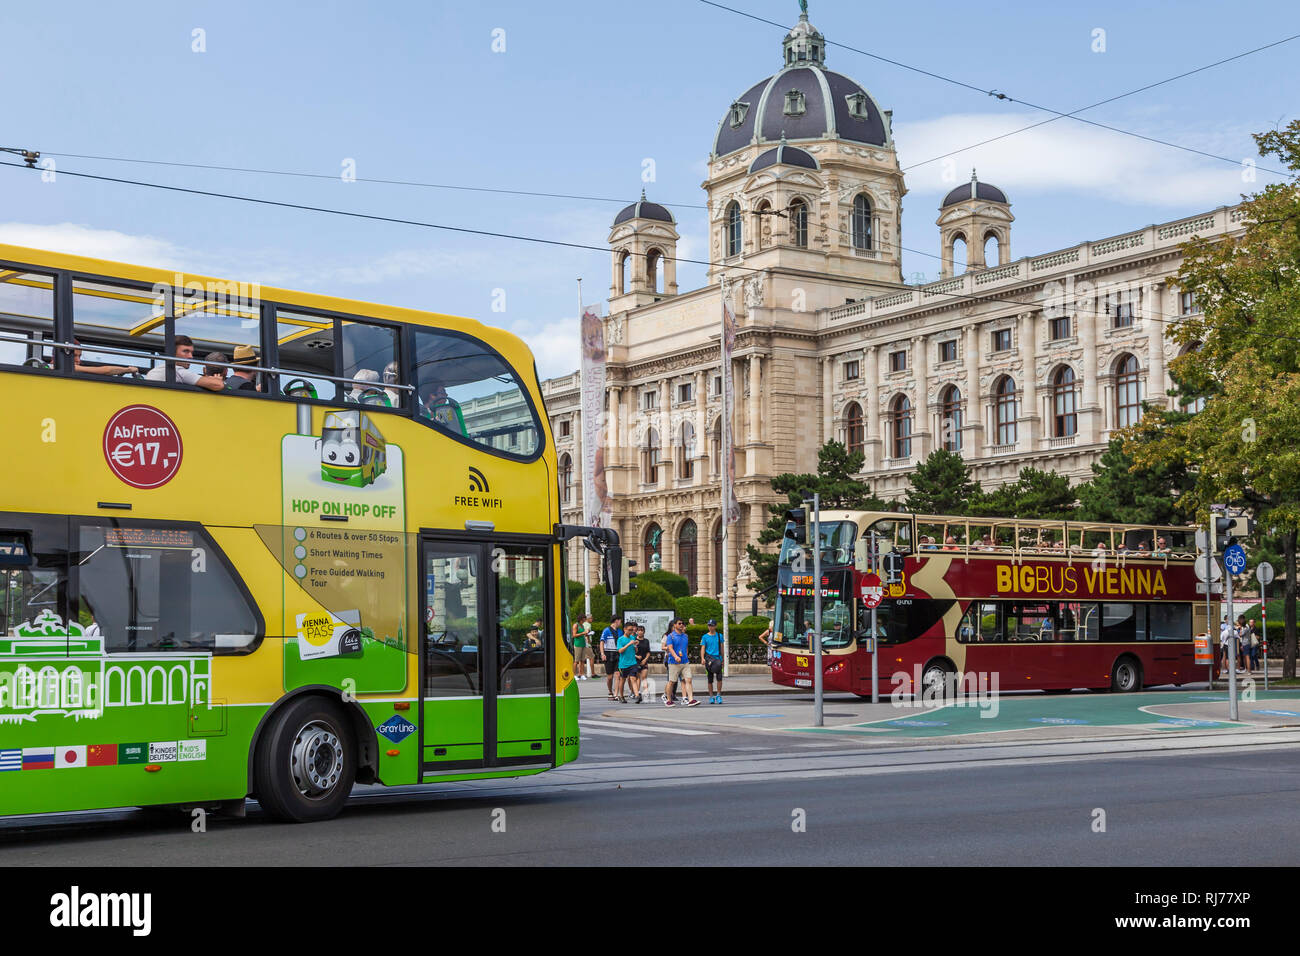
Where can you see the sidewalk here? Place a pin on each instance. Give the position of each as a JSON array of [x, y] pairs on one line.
[[746, 684], [1025, 717]]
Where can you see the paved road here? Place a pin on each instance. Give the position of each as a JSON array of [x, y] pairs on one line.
[[645, 795]]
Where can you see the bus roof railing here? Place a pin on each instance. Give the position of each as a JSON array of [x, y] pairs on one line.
[[195, 360]]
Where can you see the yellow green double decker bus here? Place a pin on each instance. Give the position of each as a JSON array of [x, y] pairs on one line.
[[195, 609]]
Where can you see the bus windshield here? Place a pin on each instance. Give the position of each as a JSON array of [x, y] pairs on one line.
[[837, 545], [796, 611]]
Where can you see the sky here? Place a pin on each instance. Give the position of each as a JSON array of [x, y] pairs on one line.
[[595, 99]]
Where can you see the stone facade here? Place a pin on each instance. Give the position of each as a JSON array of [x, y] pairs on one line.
[[1033, 361]]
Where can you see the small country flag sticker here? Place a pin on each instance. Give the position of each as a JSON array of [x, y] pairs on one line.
[[11, 760], [71, 756], [132, 753], [38, 758], [101, 755]]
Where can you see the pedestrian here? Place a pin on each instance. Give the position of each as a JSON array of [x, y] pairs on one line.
[[1225, 643], [627, 666], [767, 644], [642, 661], [609, 645], [582, 646], [679, 665], [1254, 647], [1243, 644], [711, 659]]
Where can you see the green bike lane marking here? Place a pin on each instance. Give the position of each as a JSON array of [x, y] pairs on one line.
[[1036, 712]]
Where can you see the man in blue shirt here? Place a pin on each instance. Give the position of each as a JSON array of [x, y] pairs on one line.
[[679, 665], [627, 665], [609, 645], [711, 658]]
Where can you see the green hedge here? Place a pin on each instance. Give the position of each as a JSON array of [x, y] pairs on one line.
[[703, 609], [674, 584], [757, 621]]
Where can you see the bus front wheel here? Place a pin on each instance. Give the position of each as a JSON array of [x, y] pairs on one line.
[[306, 762], [1127, 675], [935, 679]]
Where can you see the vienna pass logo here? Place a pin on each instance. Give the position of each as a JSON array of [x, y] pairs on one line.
[[143, 446]]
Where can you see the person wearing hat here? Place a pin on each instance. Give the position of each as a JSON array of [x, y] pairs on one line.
[[711, 658], [243, 378]]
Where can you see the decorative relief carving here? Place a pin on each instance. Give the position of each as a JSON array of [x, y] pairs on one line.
[[615, 330], [753, 292]]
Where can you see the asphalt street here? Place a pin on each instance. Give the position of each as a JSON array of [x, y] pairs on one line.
[[676, 794]]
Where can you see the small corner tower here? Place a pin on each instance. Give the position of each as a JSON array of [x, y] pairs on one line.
[[974, 213], [643, 255]]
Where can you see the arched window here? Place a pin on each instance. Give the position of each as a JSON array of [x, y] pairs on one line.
[[624, 271], [566, 478], [991, 254], [1192, 405], [958, 254], [652, 271], [687, 453], [687, 554], [799, 223], [650, 468], [854, 434], [1128, 407], [950, 418], [900, 427], [861, 222], [1064, 421], [733, 232], [1005, 410], [653, 540]]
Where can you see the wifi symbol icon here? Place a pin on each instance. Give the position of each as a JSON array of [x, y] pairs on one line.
[[478, 481]]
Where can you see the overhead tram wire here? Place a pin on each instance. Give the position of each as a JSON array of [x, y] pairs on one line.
[[488, 233], [29, 156], [1058, 115]]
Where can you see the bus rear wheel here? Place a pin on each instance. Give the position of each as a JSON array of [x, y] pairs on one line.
[[1127, 676], [306, 762]]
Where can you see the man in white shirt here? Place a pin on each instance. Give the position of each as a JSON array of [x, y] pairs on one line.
[[185, 374]]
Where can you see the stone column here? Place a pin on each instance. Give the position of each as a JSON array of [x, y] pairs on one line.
[[701, 428], [828, 392], [872, 430], [755, 383], [921, 369], [1027, 431], [1090, 423], [1151, 319], [667, 440], [614, 440], [973, 414]]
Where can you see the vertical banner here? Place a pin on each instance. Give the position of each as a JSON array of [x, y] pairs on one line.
[[595, 495], [730, 507]]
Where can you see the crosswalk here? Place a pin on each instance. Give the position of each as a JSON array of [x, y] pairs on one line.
[[613, 728]]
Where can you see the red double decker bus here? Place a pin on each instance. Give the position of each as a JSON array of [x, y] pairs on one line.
[[1053, 605]]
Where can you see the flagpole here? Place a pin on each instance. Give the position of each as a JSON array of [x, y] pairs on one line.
[[724, 491], [586, 563]]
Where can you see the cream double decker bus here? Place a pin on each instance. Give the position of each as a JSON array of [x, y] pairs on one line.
[[198, 605]]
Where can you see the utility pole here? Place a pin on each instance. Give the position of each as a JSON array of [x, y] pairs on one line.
[[816, 538]]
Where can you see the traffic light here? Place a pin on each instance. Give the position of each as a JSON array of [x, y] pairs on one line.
[[1223, 533], [796, 525], [611, 568], [626, 582]]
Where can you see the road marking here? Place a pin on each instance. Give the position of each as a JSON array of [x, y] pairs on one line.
[[603, 756], [749, 748], [682, 753], [642, 727], [607, 733]]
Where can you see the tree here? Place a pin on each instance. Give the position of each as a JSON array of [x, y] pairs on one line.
[[1034, 494], [1122, 492], [941, 485], [1244, 447], [834, 481]]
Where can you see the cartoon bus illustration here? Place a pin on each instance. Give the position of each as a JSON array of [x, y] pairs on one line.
[[352, 449]]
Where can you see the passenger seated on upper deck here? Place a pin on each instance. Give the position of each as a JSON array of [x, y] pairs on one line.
[[184, 374], [98, 369], [218, 369], [243, 378], [927, 544], [1162, 549], [950, 543], [366, 375], [437, 405]]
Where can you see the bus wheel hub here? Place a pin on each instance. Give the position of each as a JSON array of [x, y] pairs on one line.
[[316, 760]]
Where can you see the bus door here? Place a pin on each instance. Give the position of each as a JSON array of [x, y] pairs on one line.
[[485, 699]]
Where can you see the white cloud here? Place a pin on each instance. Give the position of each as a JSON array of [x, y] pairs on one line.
[[1066, 156], [555, 344], [78, 240]]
